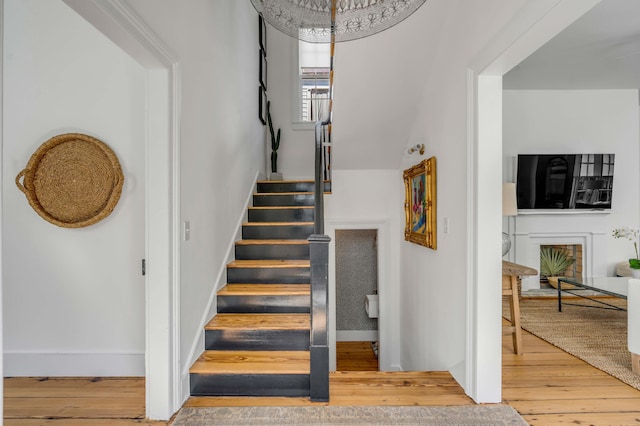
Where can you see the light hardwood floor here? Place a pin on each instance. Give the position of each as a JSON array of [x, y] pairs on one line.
[[74, 401], [355, 356], [546, 385]]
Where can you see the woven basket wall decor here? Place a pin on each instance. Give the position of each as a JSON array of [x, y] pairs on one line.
[[72, 180]]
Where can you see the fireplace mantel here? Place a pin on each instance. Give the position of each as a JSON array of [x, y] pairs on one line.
[[589, 230], [539, 212]]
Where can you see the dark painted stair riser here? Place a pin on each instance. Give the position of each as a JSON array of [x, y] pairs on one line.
[[284, 186], [292, 214], [276, 232], [257, 340], [250, 385], [292, 275], [264, 304], [272, 251], [264, 200], [290, 223]]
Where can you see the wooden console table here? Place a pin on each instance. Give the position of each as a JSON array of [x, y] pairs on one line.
[[510, 273]]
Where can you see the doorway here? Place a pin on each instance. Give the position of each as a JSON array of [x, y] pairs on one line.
[[533, 27], [388, 353], [356, 260], [161, 214], [83, 286]]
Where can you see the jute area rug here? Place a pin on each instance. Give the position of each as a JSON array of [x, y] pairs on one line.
[[596, 336], [334, 415]]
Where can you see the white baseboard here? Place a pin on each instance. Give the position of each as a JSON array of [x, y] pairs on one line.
[[356, 335], [458, 372], [185, 387], [57, 364]]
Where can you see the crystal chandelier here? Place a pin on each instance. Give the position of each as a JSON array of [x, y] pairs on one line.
[[310, 20]]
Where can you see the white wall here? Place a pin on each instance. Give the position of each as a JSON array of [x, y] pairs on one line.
[[578, 121], [73, 298], [434, 300], [372, 199], [2, 37], [222, 152], [222, 140], [394, 89], [377, 86], [296, 153]]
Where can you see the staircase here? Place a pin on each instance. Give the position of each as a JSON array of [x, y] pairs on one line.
[[258, 343]]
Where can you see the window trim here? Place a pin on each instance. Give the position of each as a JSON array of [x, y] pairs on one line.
[[296, 95]]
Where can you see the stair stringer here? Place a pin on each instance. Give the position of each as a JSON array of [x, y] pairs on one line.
[[197, 347], [236, 357]]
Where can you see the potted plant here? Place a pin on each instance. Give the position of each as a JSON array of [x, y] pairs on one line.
[[275, 144], [553, 263], [630, 234]]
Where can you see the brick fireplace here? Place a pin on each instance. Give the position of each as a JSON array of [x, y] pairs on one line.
[[572, 251], [583, 236]]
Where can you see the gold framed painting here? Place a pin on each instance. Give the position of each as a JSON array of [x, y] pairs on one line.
[[420, 203]]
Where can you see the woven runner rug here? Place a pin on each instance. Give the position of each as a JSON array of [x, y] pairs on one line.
[[596, 336], [334, 415]]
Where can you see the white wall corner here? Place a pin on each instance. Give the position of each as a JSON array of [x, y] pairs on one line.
[[185, 386], [116, 20], [459, 371]]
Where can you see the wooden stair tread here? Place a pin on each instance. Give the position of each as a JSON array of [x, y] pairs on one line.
[[252, 362], [281, 207], [276, 182], [265, 290], [260, 322], [277, 263], [273, 242], [278, 224]]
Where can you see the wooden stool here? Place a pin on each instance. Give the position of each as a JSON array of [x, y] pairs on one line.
[[510, 289], [510, 273]]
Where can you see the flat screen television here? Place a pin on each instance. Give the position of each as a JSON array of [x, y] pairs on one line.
[[565, 181]]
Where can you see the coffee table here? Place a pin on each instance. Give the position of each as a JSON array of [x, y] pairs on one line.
[[610, 286]]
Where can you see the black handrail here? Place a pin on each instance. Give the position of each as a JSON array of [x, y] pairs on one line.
[[320, 168]]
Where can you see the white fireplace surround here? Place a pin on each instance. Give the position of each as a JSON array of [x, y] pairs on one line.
[[527, 251]]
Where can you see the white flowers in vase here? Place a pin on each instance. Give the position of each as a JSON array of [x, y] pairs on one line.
[[630, 234]]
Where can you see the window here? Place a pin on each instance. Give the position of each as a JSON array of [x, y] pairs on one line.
[[313, 71]]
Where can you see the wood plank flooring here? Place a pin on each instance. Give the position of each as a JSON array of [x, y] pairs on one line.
[[355, 356], [546, 385], [364, 388], [74, 401]]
